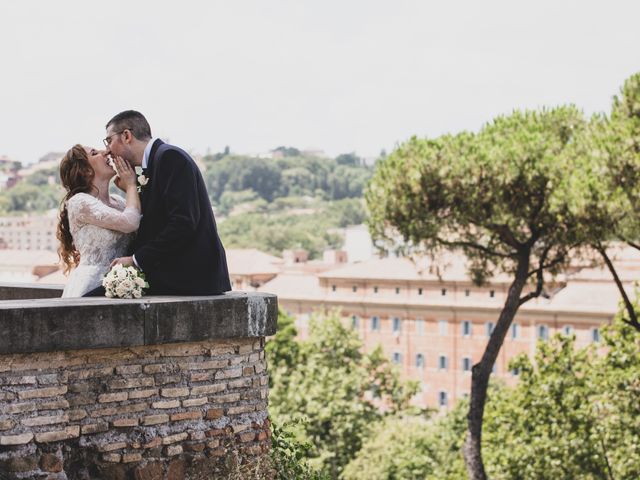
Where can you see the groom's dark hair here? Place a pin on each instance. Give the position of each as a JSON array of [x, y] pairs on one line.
[[133, 121]]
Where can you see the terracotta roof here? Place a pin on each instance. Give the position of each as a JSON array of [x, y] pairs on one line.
[[449, 268], [251, 261], [585, 297], [294, 286]]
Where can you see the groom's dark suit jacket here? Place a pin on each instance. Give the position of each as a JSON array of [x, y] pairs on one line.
[[177, 245]]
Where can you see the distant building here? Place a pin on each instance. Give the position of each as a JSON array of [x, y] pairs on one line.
[[29, 232], [434, 322]]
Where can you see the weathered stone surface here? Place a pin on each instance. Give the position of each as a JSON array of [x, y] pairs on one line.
[[141, 411], [21, 291], [51, 324], [20, 439], [19, 464], [50, 463], [150, 471]]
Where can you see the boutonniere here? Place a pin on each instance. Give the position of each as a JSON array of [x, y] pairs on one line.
[[142, 181]]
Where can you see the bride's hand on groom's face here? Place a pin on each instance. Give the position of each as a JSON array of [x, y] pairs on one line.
[[126, 174]]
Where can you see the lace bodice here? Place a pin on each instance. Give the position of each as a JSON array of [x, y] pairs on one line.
[[101, 233]]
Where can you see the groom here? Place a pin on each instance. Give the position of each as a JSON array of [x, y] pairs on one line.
[[177, 245]]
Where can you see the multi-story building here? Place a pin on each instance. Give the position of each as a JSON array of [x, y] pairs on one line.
[[435, 323], [29, 232]]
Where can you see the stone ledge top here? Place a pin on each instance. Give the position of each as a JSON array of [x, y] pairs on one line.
[[55, 324]]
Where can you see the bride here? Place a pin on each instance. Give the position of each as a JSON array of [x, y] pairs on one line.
[[94, 227]]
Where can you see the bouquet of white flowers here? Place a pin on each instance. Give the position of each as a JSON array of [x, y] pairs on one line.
[[124, 282]]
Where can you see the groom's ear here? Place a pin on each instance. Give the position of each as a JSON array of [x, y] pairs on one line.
[[127, 136]]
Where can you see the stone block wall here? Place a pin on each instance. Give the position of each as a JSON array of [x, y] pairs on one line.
[[184, 410]]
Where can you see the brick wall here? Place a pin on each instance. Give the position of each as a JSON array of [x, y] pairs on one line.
[[173, 411]]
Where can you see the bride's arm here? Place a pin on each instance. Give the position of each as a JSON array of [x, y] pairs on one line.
[[85, 209]]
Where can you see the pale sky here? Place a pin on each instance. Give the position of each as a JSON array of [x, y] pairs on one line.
[[348, 75]]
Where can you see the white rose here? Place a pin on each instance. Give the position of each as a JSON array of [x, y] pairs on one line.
[[137, 293], [140, 282]]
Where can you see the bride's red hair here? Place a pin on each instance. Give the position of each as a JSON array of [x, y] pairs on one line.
[[76, 175]]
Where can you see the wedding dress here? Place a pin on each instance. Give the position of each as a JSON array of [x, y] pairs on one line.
[[100, 233]]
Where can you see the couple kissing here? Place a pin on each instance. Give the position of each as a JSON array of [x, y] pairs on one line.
[[164, 226]]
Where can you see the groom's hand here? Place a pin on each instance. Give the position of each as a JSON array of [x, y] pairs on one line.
[[126, 261]]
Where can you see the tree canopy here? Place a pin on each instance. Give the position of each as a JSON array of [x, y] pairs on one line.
[[507, 197], [332, 389]]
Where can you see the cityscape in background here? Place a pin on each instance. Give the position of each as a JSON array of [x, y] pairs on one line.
[[427, 315]]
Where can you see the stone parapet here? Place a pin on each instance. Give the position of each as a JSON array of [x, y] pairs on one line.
[[163, 388], [52, 324]]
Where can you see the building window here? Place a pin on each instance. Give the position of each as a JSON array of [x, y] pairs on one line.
[[466, 328], [333, 288], [543, 332], [397, 358], [420, 291], [375, 289], [490, 327], [355, 321], [420, 327], [515, 372], [420, 360], [492, 293], [443, 362], [375, 324], [515, 331], [397, 290], [442, 398], [567, 330], [354, 289], [396, 325], [466, 364], [443, 292], [595, 335], [443, 327], [467, 293]]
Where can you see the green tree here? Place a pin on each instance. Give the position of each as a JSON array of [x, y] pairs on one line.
[[26, 197], [502, 197], [41, 177], [274, 231], [287, 151], [350, 159], [231, 199], [610, 168], [335, 389], [408, 447], [573, 415]]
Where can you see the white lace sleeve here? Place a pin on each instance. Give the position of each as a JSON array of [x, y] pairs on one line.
[[87, 209]]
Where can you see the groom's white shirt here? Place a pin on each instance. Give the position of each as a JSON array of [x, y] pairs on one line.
[[147, 153], [145, 164]]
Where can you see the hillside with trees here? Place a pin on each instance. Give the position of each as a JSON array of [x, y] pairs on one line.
[[293, 200]]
